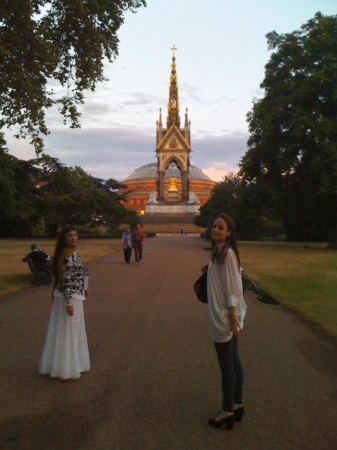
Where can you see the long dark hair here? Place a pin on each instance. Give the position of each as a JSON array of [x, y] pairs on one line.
[[230, 242], [61, 245]]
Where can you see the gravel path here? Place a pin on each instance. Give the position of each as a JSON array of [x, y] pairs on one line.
[[154, 380]]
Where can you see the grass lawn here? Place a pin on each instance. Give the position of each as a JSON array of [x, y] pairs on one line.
[[15, 275], [301, 277]]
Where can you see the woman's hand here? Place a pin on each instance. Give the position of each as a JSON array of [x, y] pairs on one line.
[[70, 310], [235, 324], [87, 292]]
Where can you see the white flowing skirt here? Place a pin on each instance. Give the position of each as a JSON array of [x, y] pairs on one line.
[[65, 353]]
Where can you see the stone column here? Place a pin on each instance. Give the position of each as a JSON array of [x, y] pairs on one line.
[[184, 190], [161, 185]]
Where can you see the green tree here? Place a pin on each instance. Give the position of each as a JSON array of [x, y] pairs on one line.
[[7, 186], [70, 195], [18, 193], [44, 188], [60, 40], [235, 197], [292, 155], [222, 198]]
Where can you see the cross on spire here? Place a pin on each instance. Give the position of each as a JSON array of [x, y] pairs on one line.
[[173, 50]]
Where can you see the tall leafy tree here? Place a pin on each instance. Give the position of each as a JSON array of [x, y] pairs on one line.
[[44, 188], [221, 200], [7, 186], [233, 196], [70, 195], [18, 193], [61, 40], [292, 153]]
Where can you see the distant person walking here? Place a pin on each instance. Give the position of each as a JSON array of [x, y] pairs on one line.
[[127, 244], [226, 311], [183, 231], [137, 242], [65, 353]]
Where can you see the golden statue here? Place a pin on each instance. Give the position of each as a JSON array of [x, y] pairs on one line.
[[173, 185]]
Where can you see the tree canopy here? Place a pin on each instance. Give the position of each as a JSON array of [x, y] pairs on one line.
[[60, 40], [292, 155], [237, 198], [45, 189]]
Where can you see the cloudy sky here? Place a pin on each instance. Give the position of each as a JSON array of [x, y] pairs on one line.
[[222, 51]]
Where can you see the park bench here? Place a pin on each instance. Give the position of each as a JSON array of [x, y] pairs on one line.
[[41, 272]]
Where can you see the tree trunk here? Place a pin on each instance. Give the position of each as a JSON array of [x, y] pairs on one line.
[[332, 245], [52, 230], [333, 224]]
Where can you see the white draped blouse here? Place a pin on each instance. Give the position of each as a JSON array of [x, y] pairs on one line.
[[224, 289]]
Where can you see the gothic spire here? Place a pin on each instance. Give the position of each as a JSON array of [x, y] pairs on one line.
[[173, 104], [159, 127], [187, 128], [160, 121]]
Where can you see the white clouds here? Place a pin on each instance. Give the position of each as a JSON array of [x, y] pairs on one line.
[[117, 151], [92, 108], [221, 55], [219, 170], [105, 153]]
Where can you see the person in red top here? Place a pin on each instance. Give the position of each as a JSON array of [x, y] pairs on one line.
[[137, 242]]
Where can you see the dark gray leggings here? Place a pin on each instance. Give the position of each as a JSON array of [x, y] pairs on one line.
[[231, 372]]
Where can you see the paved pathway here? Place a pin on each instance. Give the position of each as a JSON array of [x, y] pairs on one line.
[[155, 381]]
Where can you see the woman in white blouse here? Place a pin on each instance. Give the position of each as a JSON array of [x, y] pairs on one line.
[[226, 310]]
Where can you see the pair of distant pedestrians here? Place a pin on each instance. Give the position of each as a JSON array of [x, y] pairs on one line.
[[134, 240]]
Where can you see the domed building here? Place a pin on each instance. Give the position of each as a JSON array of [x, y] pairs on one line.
[[169, 189], [143, 181]]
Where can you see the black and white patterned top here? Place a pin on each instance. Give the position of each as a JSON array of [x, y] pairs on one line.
[[72, 279]]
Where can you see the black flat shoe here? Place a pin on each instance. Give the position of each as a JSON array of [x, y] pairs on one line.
[[239, 413], [227, 421]]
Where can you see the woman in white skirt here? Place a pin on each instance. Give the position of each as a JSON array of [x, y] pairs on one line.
[[65, 353]]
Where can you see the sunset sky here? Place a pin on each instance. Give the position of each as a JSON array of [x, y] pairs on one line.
[[222, 51]]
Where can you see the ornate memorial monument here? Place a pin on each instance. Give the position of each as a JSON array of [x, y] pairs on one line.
[[170, 191], [173, 148]]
